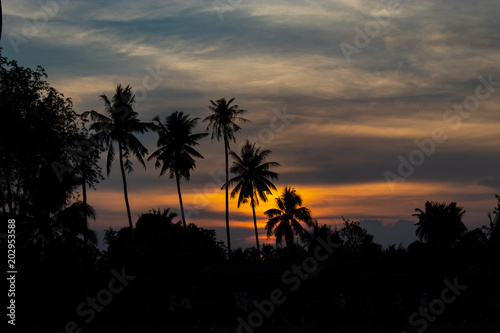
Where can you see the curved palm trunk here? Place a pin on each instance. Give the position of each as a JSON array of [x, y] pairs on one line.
[[180, 199], [226, 145], [255, 226], [125, 187]]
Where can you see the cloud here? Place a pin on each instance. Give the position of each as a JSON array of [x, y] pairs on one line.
[[492, 182]]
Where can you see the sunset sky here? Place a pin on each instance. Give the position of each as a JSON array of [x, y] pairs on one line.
[[346, 94]]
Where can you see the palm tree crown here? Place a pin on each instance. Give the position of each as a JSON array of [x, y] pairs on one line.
[[284, 222], [223, 123], [176, 153], [223, 120], [118, 124], [253, 178], [440, 224]]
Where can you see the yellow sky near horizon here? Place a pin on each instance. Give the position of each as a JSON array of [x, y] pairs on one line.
[[327, 203]]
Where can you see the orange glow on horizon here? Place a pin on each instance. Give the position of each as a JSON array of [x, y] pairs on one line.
[[327, 203]]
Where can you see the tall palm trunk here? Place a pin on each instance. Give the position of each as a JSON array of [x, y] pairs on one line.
[[180, 199], [125, 186], [226, 146], [255, 226]]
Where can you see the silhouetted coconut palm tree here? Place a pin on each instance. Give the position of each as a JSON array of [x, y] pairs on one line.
[[440, 224], [253, 180], [118, 125], [284, 222], [222, 121], [176, 153]]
